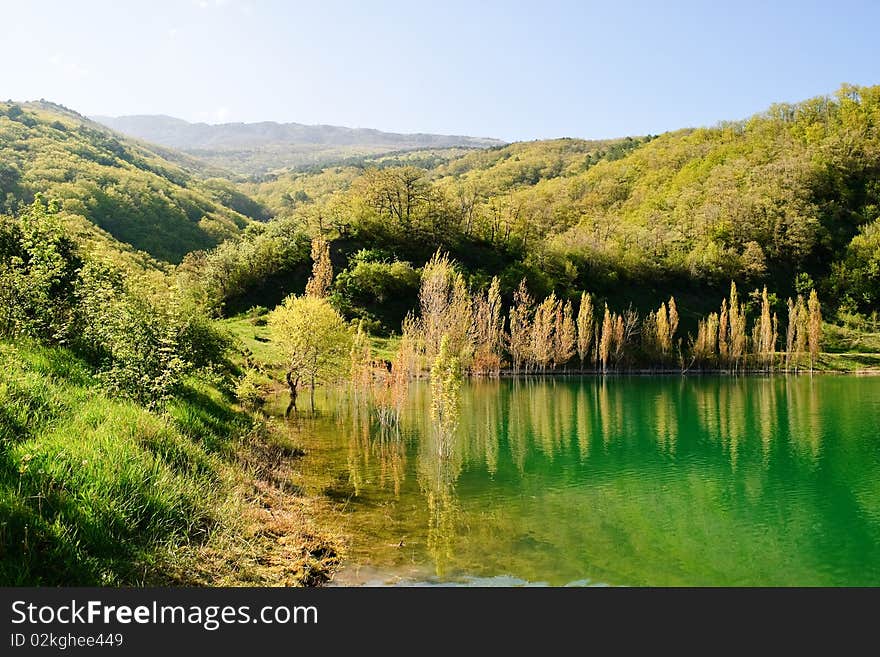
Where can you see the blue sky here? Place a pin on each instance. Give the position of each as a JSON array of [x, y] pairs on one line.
[[514, 70]]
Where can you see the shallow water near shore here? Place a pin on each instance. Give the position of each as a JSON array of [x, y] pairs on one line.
[[585, 481]]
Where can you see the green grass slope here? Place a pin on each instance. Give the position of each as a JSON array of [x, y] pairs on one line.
[[129, 191], [95, 490]]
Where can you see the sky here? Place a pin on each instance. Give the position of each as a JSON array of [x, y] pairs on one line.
[[511, 70]]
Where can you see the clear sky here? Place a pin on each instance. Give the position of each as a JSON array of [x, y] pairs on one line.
[[514, 70]]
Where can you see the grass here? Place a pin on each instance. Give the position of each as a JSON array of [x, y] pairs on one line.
[[100, 491], [251, 332]]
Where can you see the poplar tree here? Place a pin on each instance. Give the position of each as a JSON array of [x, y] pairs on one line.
[[814, 329], [790, 333], [544, 332], [723, 342], [585, 327], [322, 269], [765, 345], [445, 306], [606, 339], [619, 337], [673, 319], [495, 319], [520, 323], [566, 334], [664, 338], [737, 320], [802, 329], [488, 328]]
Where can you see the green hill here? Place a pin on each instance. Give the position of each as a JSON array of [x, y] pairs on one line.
[[125, 188], [788, 198]]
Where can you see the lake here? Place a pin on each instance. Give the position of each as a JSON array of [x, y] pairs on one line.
[[616, 481]]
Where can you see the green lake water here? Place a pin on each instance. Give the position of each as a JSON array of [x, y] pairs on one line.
[[616, 481]]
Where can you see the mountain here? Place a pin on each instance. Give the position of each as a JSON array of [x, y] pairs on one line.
[[111, 188], [256, 148]]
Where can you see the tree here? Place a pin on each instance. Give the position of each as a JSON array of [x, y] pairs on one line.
[[664, 338], [566, 334], [737, 335], [488, 329], [607, 338], [673, 319], [445, 392], [704, 346], [585, 327], [520, 339], [814, 323], [723, 339], [314, 340], [765, 341], [790, 333], [322, 269], [802, 329], [544, 332], [396, 193], [445, 309]]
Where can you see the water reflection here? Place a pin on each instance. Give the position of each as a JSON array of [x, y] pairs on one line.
[[627, 480]]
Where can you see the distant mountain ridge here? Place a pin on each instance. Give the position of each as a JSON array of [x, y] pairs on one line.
[[255, 148]]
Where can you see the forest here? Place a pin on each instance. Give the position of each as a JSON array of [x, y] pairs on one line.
[[150, 304]]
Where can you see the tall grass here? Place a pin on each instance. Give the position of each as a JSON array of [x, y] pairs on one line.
[[95, 490]]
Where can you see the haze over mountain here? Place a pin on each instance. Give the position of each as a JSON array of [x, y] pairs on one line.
[[256, 148]]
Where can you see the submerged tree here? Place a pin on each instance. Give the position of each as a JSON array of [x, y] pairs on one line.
[[737, 334], [790, 334], [764, 334], [802, 328], [673, 319], [445, 390], [314, 340]]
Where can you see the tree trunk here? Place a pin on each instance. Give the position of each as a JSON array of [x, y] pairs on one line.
[[292, 384]]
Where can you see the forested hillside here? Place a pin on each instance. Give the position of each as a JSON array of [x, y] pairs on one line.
[[788, 198], [124, 188]]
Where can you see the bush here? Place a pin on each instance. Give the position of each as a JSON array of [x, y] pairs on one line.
[[142, 344], [250, 391], [376, 289]]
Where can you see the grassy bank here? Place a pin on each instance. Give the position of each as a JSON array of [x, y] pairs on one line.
[[96, 490]]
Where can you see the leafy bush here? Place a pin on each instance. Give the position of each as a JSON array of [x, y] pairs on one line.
[[376, 289], [250, 390], [142, 344]]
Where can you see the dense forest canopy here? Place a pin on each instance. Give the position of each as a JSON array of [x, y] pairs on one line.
[[789, 198]]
